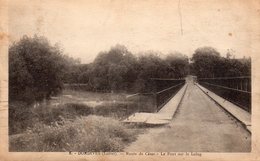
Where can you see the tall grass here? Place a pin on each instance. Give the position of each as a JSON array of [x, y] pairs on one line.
[[22, 117], [91, 133]]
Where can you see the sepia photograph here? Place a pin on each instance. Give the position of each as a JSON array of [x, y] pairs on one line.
[[153, 77]]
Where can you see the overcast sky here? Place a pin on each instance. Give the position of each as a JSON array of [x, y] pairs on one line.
[[84, 28]]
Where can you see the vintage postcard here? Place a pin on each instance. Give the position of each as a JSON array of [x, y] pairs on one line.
[[129, 80]]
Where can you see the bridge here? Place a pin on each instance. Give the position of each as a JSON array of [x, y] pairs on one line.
[[208, 115]]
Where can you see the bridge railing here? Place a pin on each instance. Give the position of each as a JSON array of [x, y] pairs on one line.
[[235, 89], [163, 90], [160, 91], [166, 89]]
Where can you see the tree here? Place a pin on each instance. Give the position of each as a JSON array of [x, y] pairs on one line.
[[35, 69], [179, 64], [206, 61], [113, 70]]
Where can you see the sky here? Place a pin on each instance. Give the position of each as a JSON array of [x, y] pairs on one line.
[[84, 28]]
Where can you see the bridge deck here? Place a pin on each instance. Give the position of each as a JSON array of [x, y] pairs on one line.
[[198, 125]]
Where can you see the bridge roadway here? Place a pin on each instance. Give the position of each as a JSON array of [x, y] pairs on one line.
[[199, 125]]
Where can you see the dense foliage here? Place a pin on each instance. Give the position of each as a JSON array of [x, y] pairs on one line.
[[35, 69], [119, 70], [207, 63]]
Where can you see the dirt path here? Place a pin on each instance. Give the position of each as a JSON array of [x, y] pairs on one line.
[[199, 125]]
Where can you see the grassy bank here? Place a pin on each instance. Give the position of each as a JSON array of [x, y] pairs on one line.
[[73, 124], [91, 133], [22, 118]]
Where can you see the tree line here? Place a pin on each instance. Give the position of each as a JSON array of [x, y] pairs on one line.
[[38, 70], [120, 70], [208, 63]]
